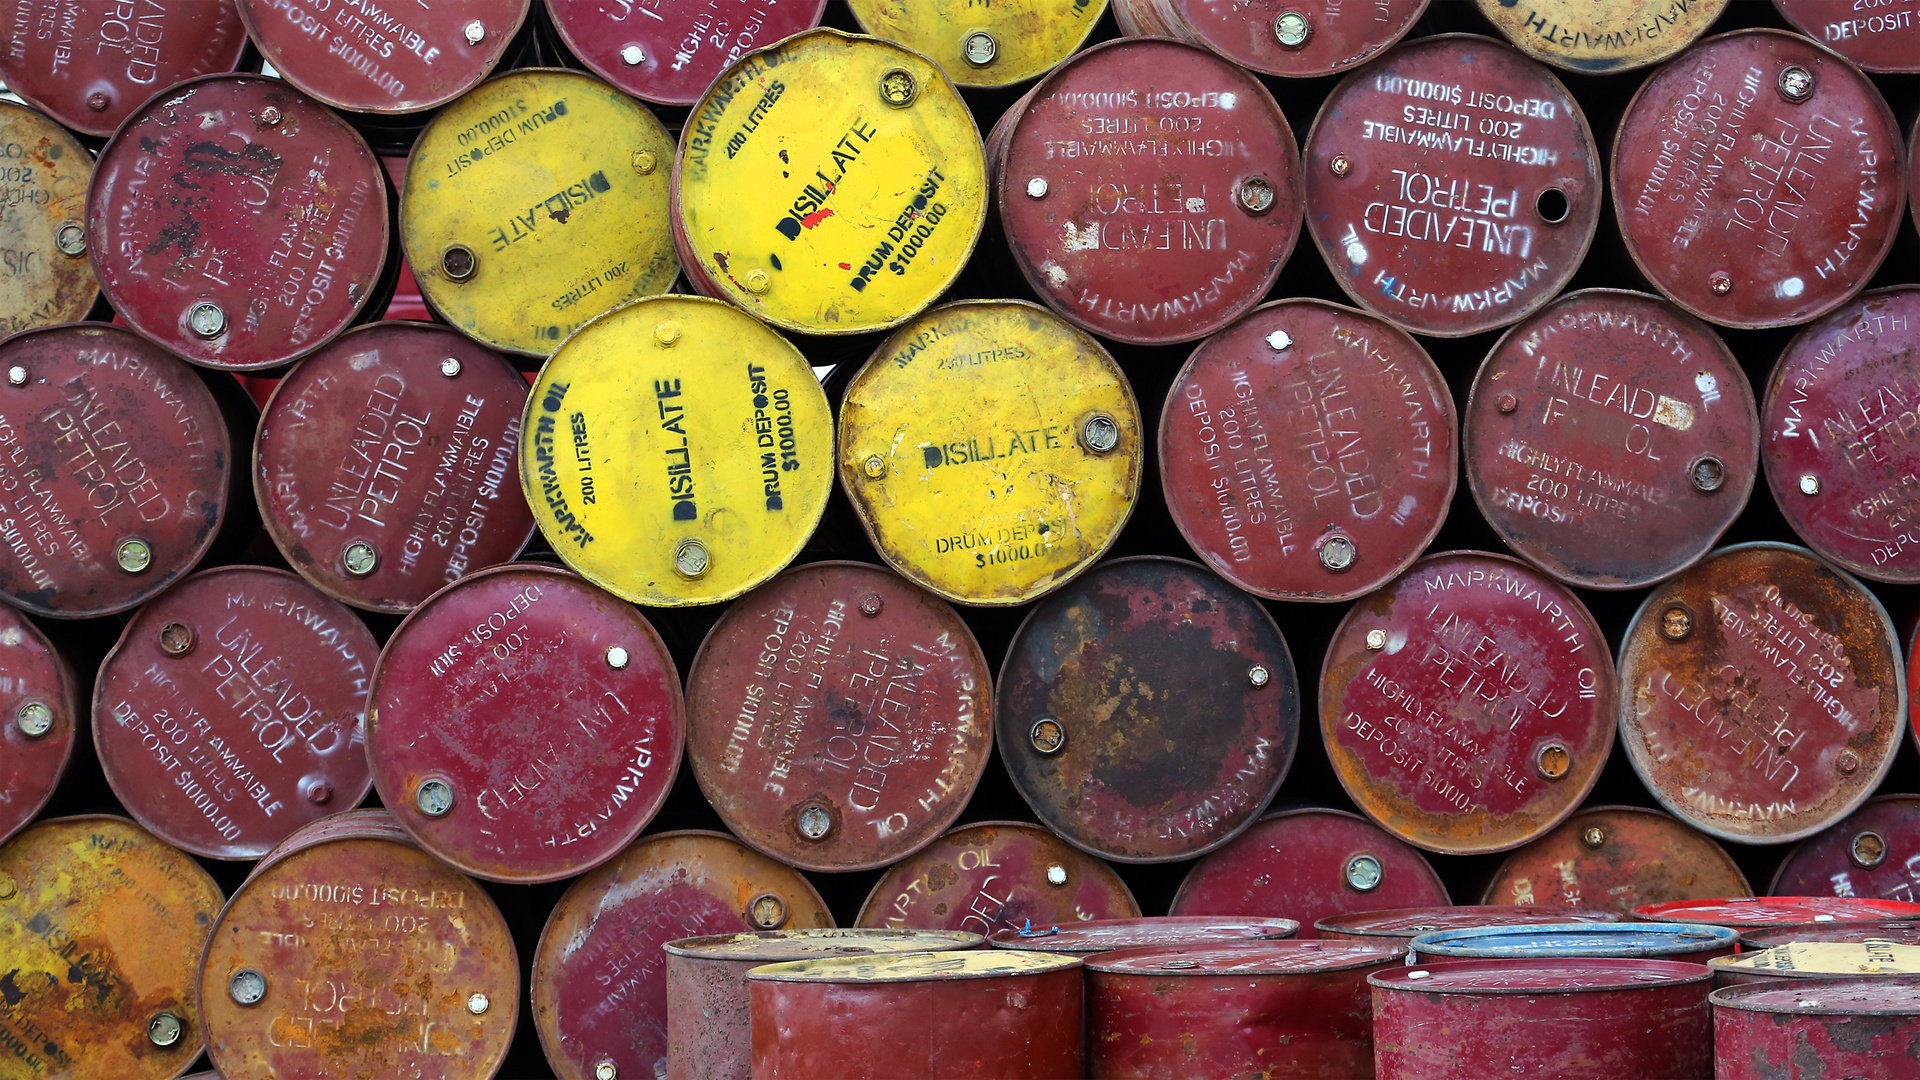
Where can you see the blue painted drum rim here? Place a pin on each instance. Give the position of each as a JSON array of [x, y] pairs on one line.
[[1636, 941]]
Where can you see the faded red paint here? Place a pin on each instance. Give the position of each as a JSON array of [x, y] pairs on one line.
[[89, 63], [996, 875], [39, 718], [1338, 36], [1405, 924], [1617, 858], [1819, 1027], [404, 60], [673, 54]]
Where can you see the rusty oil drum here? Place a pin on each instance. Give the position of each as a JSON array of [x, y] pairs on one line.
[[1879, 35], [118, 462], [1572, 1019], [1452, 185], [44, 174], [1900, 933], [1151, 932], [599, 982], [1681, 942], [1277, 37], [101, 927], [1596, 39], [1405, 924], [669, 54], [1148, 248], [986, 1014], [984, 45], [709, 1026], [1761, 695], [524, 725], [1818, 1027], [1770, 912], [385, 59], [350, 952], [1793, 224], [1875, 852], [1148, 711], [1286, 1010], [1610, 439], [232, 711], [839, 718], [1307, 452], [40, 718], [1617, 858], [996, 875], [1869, 958]]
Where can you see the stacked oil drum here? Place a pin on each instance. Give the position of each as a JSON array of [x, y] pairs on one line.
[[934, 538]]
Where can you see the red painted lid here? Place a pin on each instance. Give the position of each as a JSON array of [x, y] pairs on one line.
[[670, 53], [1868, 854], [1878, 37], [1108, 935], [1412, 922], [1247, 958], [1823, 997], [39, 713], [384, 58], [1900, 933], [1250, 33], [996, 875], [1563, 974], [1779, 910]]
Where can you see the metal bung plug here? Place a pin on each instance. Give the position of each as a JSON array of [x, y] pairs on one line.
[[644, 162], [871, 605], [1337, 553], [164, 1029], [1056, 875], [319, 793], [1376, 638], [1292, 29], [359, 558], [1720, 282], [247, 987], [478, 1003], [1809, 484], [898, 88], [980, 48], [616, 658], [1100, 434], [691, 558], [1553, 761], [17, 375], [1363, 873], [34, 719], [476, 32], [633, 54], [1037, 187], [134, 555], [813, 821], [1676, 623], [1258, 675], [434, 798], [1593, 836], [1047, 735], [758, 282], [450, 367], [604, 1069], [458, 262], [1867, 850], [1707, 473], [71, 239], [666, 333], [1796, 83], [270, 116], [176, 639], [1255, 195], [1340, 165], [207, 319], [875, 466], [767, 911]]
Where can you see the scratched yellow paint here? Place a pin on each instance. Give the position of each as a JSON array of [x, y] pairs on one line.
[[1599, 39], [915, 967], [1029, 36], [973, 416], [672, 431], [810, 199], [558, 184], [1877, 956]]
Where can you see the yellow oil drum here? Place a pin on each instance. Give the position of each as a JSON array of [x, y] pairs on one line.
[[535, 202], [676, 451], [996, 44], [44, 173], [830, 184], [992, 450], [1601, 39]]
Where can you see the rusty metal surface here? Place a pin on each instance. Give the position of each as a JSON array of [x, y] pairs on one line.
[[44, 173], [996, 875], [1761, 694], [1452, 185], [599, 983], [1870, 957], [232, 711], [1875, 852], [384, 59], [1617, 858], [1817, 1028], [1778, 911], [115, 464], [1405, 924], [101, 927], [1307, 452], [1278, 37], [1601, 39], [1689, 943], [839, 717], [1878, 35], [1900, 933], [352, 954], [1611, 438], [524, 725], [1306, 865], [1469, 706], [1746, 206], [670, 53], [1148, 711], [39, 719], [1157, 931]]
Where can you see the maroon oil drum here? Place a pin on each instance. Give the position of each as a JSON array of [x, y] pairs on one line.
[[670, 54], [1900, 933], [1617, 858], [1610, 439], [1148, 711], [114, 470], [1841, 399], [1452, 185], [1280, 1010], [1140, 146], [525, 725], [89, 63], [1306, 865], [39, 717], [1878, 35], [233, 711], [1875, 852], [1761, 696], [44, 175], [996, 875], [599, 983], [1307, 451], [1279, 37], [1783, 155], [986, 1014], [1817, 1028], [383, 59], [1405, 924], [904, 722], [1571, 1019], [1150, 932], [237, 222], [1768, 912]]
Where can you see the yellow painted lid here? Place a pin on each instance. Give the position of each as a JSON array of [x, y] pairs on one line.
[[915, 967], [1877, 956], [43, 219], [984, 44]]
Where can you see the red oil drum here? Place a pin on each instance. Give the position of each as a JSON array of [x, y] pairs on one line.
[[1617, 858], [1277, 37], [43, 222], [1817, 1028], [1601, 39], [1452, 185], [1875, 852], [39, 718], [1870, 957], [1879, 35], [387, 59], [1307, 451], [1767, 912], [232, 711], [1285, 1010], [1405, 924], [1791, 225], [1153, 932], [1572, 1019], [670, 53], [1687, 943], [1900, 933], [985, 45], [996, 875]]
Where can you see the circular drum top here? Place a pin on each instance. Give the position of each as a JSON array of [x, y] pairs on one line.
[[1148, 711], [237, 222], [1278, 37], [1878, 36], [1555, 975], [985, 45], [830, 184], [1900, 933], [1767, 911], [1452, 185], [1837, 455], [1868, 854], [1597, 39], [1307, 451], [89, 63], [1468, 706], [1577, 939], [1824, 997], [385, 59], [1761, 694], [671, 53], [383, 465], [1410, 923], [1798, 218], [1820, 959], [39, 716], [118, 462], [775, 946], [43, 220], [664, 486], [997, 875], [1149, 189], [915, 967], [1611, 438], [1109, 935], [1616, 858], [524, 725], [1246, 958]]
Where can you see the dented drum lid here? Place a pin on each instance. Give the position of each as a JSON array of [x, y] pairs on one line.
[[996, 875], [992, 451], [1774, 911], [677, 451], [1611, 438], [39, 718], [1150, 190], [1761, 695], [1108, 935], [1308, 451], [985, 45], [1879, 35], [1791, 224], [385, 59], [1875, 852], [1601, 39], [1841, 1027], [670, 53], [1405, 924], [1278, 37], [1617, 858], [44, 173]]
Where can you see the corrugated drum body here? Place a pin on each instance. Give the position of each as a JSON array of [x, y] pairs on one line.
[[106, 57], [1617, 858], [1338, 35], [36, 687], [996, 875], [1879, 36], [1597, 39], [1029, 36], [44, 173], [384, 59], [1875, 852], [1837, 1027], [671, 53]]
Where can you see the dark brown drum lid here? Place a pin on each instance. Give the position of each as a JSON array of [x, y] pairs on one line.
[[1617, 858], [1878, 35], [996, 875], [382, 58], [39, 715], [232, 711], [44, 173], [114, 470], [1875, 852], [670, 53], [1278, 37]]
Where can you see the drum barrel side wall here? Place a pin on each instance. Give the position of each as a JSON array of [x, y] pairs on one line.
[[1294, 1025], [1664, 1032]]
